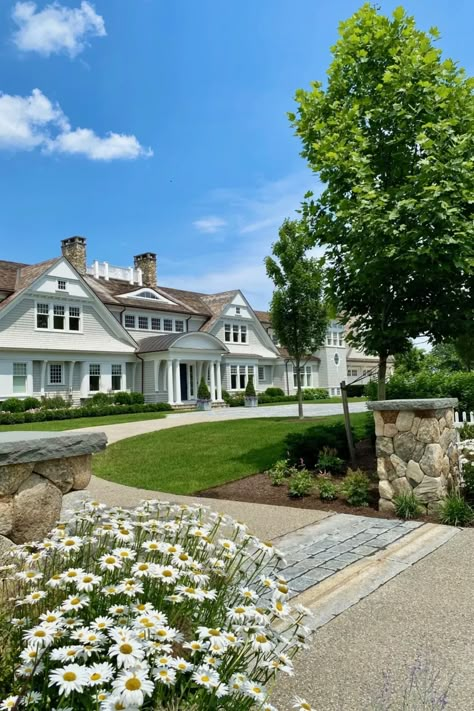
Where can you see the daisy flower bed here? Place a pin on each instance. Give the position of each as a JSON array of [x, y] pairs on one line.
[[160, 607]]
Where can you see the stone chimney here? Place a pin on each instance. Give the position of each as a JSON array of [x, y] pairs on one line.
[[74, 249], [147, 263]]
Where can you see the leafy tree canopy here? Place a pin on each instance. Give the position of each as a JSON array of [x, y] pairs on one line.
[[391, 136]]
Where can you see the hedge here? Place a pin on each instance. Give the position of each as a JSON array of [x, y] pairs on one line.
[[427, 385], [19, 418], [310, 394]]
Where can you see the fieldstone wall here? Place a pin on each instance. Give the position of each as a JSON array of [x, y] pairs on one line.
[[38, 472], [416, 447]]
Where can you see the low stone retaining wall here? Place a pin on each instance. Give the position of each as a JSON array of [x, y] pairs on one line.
[[416, 449], [37, 472]]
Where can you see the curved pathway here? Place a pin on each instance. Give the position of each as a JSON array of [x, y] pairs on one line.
[[177, 419]]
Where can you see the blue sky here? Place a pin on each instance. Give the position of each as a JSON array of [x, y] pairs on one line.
[[161, 125]]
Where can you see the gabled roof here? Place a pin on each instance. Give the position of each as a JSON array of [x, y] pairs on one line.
[[25, 275], [263, 317], [216, 304]]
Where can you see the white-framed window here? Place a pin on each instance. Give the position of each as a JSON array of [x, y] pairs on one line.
[[116, 376], [59, 317], [261, 373], [242, 377], [235, 333], [42, 315], [143, 322], [155, 324], [167, 324], [352, 372], [341, 338], [129, 321], [306, 376], [237, 310], [74, 318], [179, 326], [239, 376], [233, 377], [55, 373], [227, 332], [61, 285], [147, 295], [19, 378], [94, 377], [243, 334], [335, 338]]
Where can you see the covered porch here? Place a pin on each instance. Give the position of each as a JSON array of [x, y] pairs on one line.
[[175, 364]]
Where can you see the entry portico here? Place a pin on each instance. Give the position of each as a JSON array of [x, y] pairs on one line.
[[178, 361]]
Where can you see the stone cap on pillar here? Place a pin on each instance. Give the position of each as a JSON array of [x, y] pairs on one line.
[[21, 447], [418, 404]]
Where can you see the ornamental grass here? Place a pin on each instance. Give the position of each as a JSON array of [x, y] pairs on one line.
[[161, 607]]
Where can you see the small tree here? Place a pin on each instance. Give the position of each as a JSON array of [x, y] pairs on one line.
[[391, 135], [250, 388], [203, 391], [299, 316]]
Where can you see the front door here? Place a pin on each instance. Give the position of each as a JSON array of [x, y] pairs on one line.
[[183, 376]]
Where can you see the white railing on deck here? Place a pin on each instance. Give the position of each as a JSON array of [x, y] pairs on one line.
[[108, 271], [461, 417]]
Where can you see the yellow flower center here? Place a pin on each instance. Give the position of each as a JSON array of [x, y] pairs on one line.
[[124, 531], [214, 633], [71, 574], [240, 610], [279, 606], [87, 579], [261, 639], [205, 678], [69, 676], [95, 676], [69, 542], [126, 648], [167, 574], [283, 588], [110, 560], [133, 684], [36, 596], [40, 633], [306, 706], [51, 618], [70, 653], [75, 601], [143, 566], [257, 690], [30, 575]]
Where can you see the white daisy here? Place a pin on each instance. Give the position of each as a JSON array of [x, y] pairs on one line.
[[70, 544], [71, 677], [109, 562], [127, 651], [9, 703], [301, 704], [34, 597], [74, 602], [87, 582], [99, 673], [255, 691], [164, 675], [206, 677], [133, 687]]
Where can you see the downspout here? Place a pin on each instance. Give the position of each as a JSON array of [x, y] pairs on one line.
[[187, 323]]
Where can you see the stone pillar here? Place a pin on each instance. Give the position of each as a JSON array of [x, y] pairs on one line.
[[416, 449]]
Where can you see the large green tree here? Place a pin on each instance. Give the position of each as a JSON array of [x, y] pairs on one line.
[[391, 135], [298, 313]]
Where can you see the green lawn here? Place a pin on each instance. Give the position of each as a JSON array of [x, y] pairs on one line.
[[79, 422], [326, 401], [184, 460]]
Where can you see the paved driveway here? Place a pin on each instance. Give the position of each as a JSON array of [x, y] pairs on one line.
[[176, 419]]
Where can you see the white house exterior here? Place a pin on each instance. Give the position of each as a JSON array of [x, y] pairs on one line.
[[72, 330]]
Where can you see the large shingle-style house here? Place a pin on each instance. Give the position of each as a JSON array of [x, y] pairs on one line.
[[71, 329]]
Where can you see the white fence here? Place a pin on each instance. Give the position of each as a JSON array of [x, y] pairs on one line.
[[461, 417], [108, 271]]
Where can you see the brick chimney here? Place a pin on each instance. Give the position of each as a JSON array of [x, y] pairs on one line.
[[147, 263], [74, 249]]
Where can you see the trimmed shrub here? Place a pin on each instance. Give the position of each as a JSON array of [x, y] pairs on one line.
[[54, 403], [18, 418], [274, 392], [357, 390], [101, 399], [308, 445], [356, 488], [429, 385], [12, 404], [315, 393], [250, 389], [122, 398], [31, 403], [467, 431], [407, 505], [203, 391], [137, 398]]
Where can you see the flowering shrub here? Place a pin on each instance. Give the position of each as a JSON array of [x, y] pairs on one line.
[[162, 607]]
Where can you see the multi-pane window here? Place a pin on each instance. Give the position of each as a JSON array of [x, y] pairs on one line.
[[116, 376], [352, 373], [42, 315], [94, 377], [242, 375], [179, 326], [227, 331], [239, 376], [261, 373], [74, 318], [233, 377], [143, 322], [335, 338], [305, 374], [235, 332], [167, 324], [237, 309], [55, 373], [61, 285], [19, 378], [243, 334], [58, 317], [129, 321], [155, 324]]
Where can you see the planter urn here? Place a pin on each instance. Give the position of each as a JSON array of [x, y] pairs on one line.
[[203, 405], [251, 401]]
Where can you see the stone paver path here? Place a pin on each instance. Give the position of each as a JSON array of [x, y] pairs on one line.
[[177, 419], [317, 551]]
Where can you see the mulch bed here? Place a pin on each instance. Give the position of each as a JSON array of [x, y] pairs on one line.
[[258, 489]]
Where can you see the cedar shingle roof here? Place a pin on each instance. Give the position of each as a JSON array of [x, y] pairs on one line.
[[8, 274], [15, 277], [263, 317]]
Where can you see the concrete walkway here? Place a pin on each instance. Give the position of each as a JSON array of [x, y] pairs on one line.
[[131, 429]]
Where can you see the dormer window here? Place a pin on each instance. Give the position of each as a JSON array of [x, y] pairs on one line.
[[147, 295], [237, 309], [61, 285]]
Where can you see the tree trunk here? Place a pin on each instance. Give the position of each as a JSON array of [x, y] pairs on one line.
[[300, 391], [381, 386]]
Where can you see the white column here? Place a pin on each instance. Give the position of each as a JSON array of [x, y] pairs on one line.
[[169, 382], [212, 366], [29, 377], [188, 379], [198, 374], [84, 379], [44, 365], [177, 382], [219, 380], [71, 374]]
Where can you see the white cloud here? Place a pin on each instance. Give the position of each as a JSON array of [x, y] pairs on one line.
[[56, 28], [210, 224], [28, 122]]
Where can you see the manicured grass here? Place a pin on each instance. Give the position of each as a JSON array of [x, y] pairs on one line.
[[326, 401], [184, 460], [79, 422]]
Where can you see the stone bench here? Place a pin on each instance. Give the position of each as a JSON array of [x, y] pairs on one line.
[[416, 450], [38, 469]]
